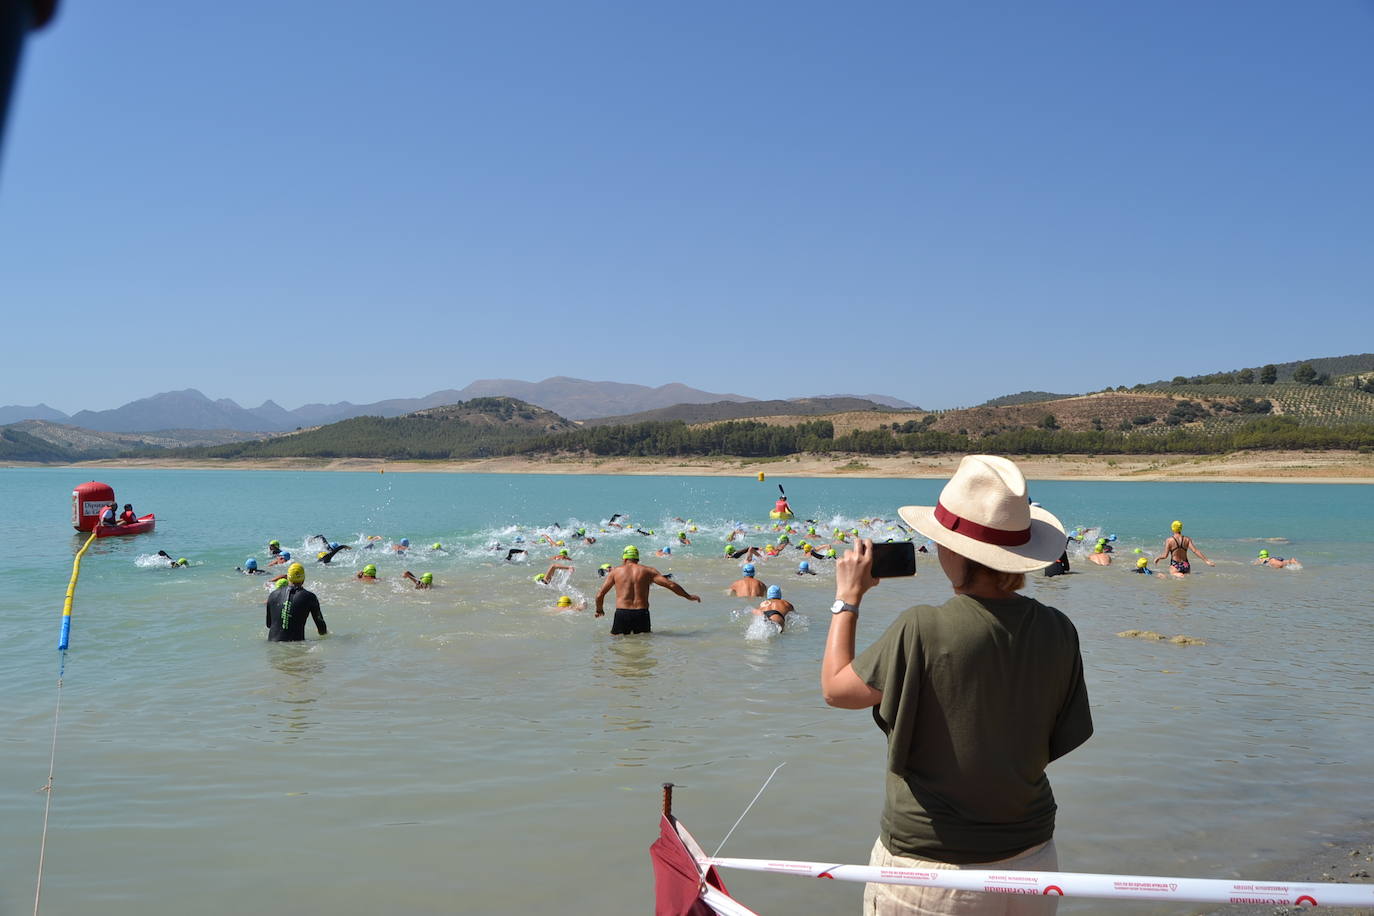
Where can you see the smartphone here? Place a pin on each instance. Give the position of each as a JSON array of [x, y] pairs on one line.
[[893, 559]]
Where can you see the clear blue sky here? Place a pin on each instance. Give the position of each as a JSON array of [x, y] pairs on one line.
[[945, 202]]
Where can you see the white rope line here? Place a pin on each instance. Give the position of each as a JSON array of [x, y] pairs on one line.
[[47, 789], [750, 805]]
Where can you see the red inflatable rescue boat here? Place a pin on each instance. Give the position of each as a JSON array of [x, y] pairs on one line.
[[90, 499], [144, 523]]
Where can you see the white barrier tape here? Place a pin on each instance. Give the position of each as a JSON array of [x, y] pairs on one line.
[[1075, 884]]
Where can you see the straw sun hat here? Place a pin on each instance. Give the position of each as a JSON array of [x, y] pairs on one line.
[[984, 515]]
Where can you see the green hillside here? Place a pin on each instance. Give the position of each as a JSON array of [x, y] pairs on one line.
[[746, 410], [1308, 405], [16, 445], [470, 429], [1023, 397]]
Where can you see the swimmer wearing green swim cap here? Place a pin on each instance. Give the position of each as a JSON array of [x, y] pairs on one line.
[[631, 582], [368, 573], [425, 581], [1265, 559]]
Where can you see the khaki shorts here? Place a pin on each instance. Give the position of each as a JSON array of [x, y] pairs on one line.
[[903, 900]]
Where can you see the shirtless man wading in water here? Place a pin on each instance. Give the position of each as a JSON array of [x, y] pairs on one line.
[[1176, 549], [631, 583]]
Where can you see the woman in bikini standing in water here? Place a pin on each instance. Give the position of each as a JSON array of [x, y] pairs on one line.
[[1176, 548]]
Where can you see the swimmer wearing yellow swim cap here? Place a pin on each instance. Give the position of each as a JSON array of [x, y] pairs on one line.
[[1176, 548], [288, 609]]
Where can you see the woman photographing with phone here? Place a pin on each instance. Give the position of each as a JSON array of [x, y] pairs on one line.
[[975, 696]]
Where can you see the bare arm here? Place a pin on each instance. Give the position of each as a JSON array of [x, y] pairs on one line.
[[601, 595], [673, 587], [840, 684], [554, 567]]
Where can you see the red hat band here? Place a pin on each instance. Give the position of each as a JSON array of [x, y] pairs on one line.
[[997, 536]]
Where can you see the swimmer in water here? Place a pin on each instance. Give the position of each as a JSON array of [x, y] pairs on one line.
[[250, 568], [562, 555], [747, 586], [682, 538], [555, 567], [1265, 559], [425, 581], [565, 603], [734, 553], [774, 608], [515, 551], [280, 559], [401, 547], [274, 547], [1100, 555], [804, 569], [663, 552], [290, 607], [602, 570], [1142, 566], [1176, 548], [367, 574], [631, 582], [324, 556], [173, 563]]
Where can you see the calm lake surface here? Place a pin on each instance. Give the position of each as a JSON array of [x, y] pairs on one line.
[[467, 750]]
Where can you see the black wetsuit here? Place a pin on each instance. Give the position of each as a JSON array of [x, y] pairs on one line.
[[287, 610], [327, 555], [512, 552], [1061, 565]]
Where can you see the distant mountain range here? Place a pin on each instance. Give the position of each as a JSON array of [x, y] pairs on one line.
[[189, 409]]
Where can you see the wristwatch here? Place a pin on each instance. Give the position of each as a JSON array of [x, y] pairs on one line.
[[840, 605]]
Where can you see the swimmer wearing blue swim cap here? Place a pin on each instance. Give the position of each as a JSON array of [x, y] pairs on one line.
[[747, 586], [774, 608]]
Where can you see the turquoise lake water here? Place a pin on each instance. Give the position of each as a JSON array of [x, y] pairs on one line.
[[469, 750]]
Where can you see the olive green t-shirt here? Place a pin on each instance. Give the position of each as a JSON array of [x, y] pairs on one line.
[[978, 696]]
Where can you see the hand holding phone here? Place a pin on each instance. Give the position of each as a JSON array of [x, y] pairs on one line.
[[894, 559]]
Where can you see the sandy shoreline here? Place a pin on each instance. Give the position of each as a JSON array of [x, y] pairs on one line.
[[1254, 467]]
